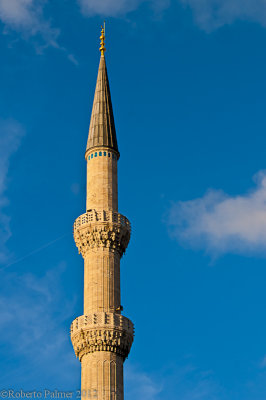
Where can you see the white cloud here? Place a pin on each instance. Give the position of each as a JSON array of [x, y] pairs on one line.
[[220, 223], [209, 14], [26, 17], [19, 13], [114, 8], [212, 14], [11, 134], [107, 7]]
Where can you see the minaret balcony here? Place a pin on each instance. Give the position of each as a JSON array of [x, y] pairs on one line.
[[100, 228], [102, 332]]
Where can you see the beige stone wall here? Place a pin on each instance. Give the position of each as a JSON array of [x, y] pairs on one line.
[[101, 281], [102, 376], [102, 180]]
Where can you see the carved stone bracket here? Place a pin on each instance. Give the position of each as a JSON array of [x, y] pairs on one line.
[[102, 229], [102, 332]]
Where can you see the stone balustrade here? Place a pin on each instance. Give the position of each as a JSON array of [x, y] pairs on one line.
[[102, 332], [102, 229], [102, 216]]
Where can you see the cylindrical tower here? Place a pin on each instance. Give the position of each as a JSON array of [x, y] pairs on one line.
[[102, 337]]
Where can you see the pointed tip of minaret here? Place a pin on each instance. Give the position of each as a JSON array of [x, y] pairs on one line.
[[102, 131], [102, 39]]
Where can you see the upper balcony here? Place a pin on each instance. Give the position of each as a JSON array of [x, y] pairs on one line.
[[100, 228]]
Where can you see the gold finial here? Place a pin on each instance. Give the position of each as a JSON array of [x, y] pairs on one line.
[[102, 38]]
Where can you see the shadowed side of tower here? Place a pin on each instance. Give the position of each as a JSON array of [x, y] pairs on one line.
[[102, 337]]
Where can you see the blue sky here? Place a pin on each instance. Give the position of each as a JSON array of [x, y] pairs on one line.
[[188, 85]]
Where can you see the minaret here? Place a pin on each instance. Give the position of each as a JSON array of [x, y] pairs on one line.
[[102, 337]]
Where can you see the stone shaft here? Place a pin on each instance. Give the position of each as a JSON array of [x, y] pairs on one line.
[[102, 179], [101, 281]]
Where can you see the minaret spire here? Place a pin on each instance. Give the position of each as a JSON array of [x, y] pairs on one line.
[[102, 130]]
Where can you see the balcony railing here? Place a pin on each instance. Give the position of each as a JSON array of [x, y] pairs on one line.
[[101, 217]]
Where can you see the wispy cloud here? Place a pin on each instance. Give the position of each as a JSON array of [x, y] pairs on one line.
[[35, 314], [219, 223], [75, 188], [140, 385], [212, 14], [115, 8], [263, 363], [209, 14], [185, 382], [26, 17], [11, 133]]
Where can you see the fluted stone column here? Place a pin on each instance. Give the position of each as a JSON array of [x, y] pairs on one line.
[[103, 373]]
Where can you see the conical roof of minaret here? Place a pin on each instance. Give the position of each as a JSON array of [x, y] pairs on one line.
[[102, 126]]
